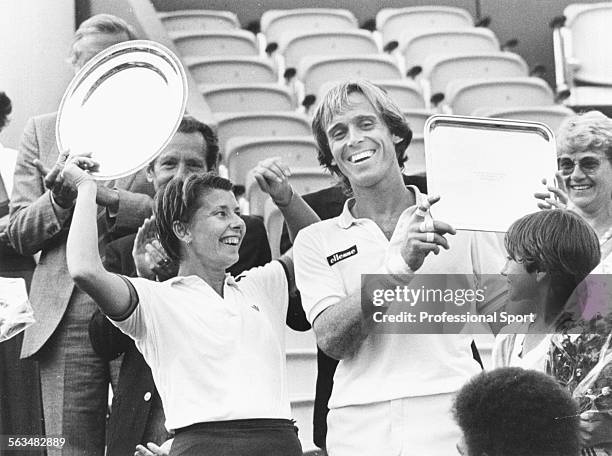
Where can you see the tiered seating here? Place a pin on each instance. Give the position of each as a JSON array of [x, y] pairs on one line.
[[405, 92], [416, 119], [276, 22], [582, 56], [548, 115], [439, 70], [465, 96], [417, 47], [231, 70], [296, 45], [314, 71], [415, 165], [215, 43], [392, 23], [261, 123], [226, 98], [199, 20], [243, 153]]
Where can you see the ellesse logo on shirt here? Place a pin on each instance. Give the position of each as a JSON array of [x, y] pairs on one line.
[[342, 255]]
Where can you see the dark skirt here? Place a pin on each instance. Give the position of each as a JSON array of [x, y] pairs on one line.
[[253, 437]]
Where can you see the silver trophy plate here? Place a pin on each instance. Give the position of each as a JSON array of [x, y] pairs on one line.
[[123, 107], [486, 170]]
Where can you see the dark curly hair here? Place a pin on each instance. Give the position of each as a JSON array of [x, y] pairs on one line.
[[337, 100], [178, 201], [5, 109], [516, 412]]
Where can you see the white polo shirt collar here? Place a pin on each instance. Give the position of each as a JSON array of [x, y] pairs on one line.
[[346, 218], [191, 279]]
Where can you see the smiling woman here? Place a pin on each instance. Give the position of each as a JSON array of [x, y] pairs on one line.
[[584, 145], [215, 345]]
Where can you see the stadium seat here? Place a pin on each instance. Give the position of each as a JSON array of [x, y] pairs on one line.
[[582, 54], [314, 71], [216, 43], [439, 70], [406, 93], [415, 165], [199, 20], [276, 22], [548, 115], [261, 123], [416, 118], [231, 70], [303, 180], [247, 97], [295, 46], [393, 22], [243, 153], [464, 96], [419, 46]]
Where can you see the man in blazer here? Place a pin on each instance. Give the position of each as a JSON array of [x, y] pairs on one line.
[[74, 379]]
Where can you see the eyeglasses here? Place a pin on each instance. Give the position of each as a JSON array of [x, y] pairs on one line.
[[588, 165]]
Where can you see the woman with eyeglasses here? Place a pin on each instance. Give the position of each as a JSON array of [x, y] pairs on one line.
[[584, 146]]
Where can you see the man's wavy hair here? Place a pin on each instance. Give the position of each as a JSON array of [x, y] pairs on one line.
[[5, 109], [336, 100], [590, 131], [515, 412], [179, 201]]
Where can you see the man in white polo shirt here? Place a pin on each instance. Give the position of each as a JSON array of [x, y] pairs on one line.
[[392, 392]]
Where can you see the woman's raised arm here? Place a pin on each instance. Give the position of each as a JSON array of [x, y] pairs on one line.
[[108, 290]]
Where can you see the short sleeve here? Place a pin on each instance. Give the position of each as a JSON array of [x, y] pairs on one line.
[[141, 318], [319, 285], [268, 284]]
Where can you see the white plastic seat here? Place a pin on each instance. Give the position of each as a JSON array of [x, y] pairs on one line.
[[464, 96], [215, 43], [552, 116], [393, 22], [260, 123], [275, 22], [231, 70], [295, 46], [417, 47], [243, 153], [303, 180], [199, 20], [439, 70], [415, 165], [583, 61], [406, 93], [416, 118], [314, 71], [247, 97]]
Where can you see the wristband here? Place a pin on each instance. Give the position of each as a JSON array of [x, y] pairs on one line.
[[396, 265]]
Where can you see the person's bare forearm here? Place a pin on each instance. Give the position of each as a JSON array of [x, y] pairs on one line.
[[298, 214], [83, 258]]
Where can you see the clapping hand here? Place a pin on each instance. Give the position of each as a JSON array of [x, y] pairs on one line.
[[556, 197], [417, 235], [272, 176], [151, 259], [64, 194]]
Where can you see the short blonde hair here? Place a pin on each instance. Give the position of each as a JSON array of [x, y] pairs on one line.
[[100, 23], [590, 131]]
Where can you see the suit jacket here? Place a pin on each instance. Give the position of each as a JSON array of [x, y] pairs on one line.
[[35, 225]]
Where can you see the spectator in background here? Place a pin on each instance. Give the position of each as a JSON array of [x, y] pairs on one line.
[[20, 403], [74, 378], [516, 412]]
